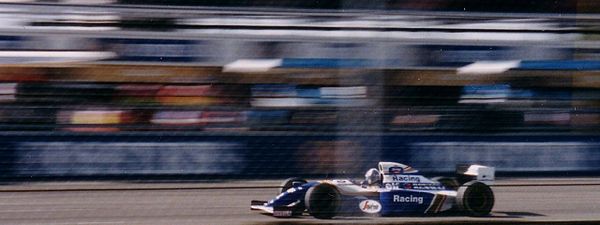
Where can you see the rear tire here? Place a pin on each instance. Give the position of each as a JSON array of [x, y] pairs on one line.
[[288, 183], [322, 201], [475, 198]]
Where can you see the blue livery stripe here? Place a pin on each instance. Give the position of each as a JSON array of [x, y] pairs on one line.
[[560, 65], [324, 63]]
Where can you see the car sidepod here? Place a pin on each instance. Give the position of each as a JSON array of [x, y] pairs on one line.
[[396, 202], [408, 202]]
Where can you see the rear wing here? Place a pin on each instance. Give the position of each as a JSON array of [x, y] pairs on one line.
[[484, 174]]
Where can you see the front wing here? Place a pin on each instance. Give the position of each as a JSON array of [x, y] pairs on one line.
[[279, 211]]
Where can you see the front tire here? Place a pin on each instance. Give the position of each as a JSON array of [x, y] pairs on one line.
[[475, 198], [289, 183], [322, 201]]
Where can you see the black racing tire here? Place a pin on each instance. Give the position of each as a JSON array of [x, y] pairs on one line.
[[449, 182], [322, 201], [475, 198], [288, 183]]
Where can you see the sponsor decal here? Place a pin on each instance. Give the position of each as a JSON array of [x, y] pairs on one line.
[[370, 206], [282, 213], [408, 199], [406, 178], [392, 186], [396, 170], [341, 182], [416, 186]]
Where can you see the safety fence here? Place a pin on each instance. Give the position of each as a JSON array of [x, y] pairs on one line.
[[255, 156]]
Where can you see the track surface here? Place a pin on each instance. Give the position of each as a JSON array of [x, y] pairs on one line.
[[518, 200]]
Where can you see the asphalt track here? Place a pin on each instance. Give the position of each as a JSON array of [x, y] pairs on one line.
[[518, 201]]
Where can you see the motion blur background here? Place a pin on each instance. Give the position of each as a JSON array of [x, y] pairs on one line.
[[268, 89]]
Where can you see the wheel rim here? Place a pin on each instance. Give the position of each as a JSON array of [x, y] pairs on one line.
[[480, 199], [323, 201], [326, 200], [475, 198]]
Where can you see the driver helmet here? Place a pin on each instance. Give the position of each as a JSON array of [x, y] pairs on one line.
[[373, 176]]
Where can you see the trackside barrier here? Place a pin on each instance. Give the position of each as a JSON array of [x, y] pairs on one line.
[[256, 156]]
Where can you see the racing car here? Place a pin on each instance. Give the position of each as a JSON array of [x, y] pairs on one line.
[[392, 189]]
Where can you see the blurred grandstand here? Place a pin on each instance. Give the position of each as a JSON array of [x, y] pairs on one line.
[[262, 85]]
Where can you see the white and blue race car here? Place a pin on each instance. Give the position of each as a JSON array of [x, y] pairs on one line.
[[393, 189]]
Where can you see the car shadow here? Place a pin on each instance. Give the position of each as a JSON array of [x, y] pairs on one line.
[[494, 214], [515, 214]]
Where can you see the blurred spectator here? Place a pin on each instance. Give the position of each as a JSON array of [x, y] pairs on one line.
[[328, 157], [132, 94], [547, 118], [415, 120], [189, 95], [178, 120], [94, 120], [8, 92]]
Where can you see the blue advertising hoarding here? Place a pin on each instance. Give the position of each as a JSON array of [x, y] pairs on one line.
[[259, 156]]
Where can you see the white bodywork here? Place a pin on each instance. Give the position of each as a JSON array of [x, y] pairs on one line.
[[394, 177], [484, 174]]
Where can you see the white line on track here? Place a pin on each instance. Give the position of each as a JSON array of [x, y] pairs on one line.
[[42, 210], [84, 223]]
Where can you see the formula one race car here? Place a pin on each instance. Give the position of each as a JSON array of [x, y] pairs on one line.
[[393, 189]]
